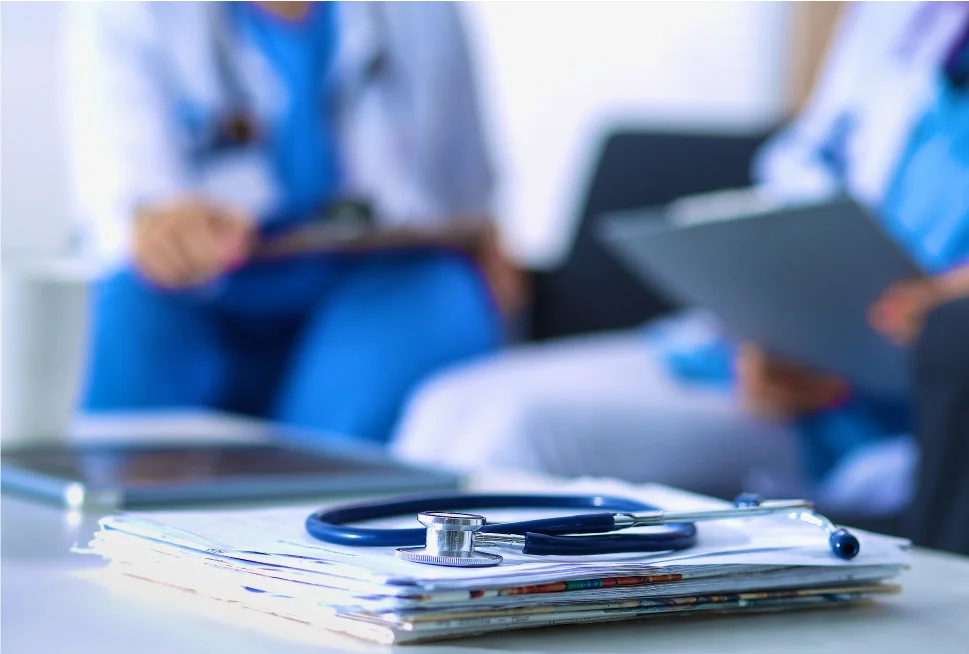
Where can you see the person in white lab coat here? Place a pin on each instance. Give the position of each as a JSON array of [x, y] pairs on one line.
[[676, 403], [200, 130]]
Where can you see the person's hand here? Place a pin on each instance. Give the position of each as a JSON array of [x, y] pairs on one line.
[[189, 241], [781, 390], [900, 311], [508, 283]]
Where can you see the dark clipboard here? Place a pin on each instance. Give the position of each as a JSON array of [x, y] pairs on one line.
[[797, 280]]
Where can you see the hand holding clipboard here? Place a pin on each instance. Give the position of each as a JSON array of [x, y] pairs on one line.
[[326, 238], [476, 237], [797, 280], [191, 242]]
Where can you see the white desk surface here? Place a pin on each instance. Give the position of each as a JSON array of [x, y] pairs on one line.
[[50, 603]]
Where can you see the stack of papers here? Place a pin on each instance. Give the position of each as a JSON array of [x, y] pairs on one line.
[[263, 559]]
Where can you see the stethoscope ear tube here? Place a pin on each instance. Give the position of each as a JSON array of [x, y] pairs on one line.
[[333, 525], [586, 523], [545, 545], [452, 536]]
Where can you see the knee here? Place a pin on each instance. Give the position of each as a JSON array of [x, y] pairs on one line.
[[125, 284], [452, 422], [449, 273], [146, 350], [429, 417], [126, 302], [454, 289]]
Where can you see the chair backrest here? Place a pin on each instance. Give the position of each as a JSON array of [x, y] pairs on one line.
[[939, 514], [937, 517], [591, 292]]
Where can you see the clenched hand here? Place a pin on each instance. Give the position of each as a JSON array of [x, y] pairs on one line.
[[189, 241], [778, 389]]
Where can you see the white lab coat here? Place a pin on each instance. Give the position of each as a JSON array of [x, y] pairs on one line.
[[879, 76], [411, 142]]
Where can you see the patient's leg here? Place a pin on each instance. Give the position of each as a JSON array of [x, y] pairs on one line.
[[601, 405]]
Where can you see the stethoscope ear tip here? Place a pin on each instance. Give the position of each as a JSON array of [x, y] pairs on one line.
[[844, 544]]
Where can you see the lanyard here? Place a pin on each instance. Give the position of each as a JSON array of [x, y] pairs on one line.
[[957, 63]]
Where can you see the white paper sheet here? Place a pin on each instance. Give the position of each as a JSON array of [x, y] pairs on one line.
[[264, 559], [277, 536]]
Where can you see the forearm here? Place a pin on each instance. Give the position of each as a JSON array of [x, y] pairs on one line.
[[955, 283]]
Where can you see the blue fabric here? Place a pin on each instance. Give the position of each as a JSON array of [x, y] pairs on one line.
[[340, 354], [927, 210], [331, 343], [927, 205], [301, 136]]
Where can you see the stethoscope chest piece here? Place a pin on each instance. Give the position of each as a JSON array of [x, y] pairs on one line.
[[450, 541]]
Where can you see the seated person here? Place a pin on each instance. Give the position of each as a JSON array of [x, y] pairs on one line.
[[676, 403], [200, 129]]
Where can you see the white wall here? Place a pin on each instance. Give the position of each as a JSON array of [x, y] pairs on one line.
[[554, 75], [33, 202]]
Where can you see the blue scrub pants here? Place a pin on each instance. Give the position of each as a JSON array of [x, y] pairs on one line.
[[333, 344]]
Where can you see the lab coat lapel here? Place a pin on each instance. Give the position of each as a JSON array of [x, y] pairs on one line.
[[899, 95], [242, 178], [376, 129]]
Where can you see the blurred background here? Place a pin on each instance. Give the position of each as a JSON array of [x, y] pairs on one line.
[[707, 66], [556, 80]]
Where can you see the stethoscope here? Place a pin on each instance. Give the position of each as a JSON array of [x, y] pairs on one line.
[[237, 126], [455, 539]]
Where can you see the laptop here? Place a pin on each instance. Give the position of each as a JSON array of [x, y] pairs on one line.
[[797, 280]]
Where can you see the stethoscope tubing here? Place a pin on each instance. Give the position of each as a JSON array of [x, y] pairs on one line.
[[545, 536]]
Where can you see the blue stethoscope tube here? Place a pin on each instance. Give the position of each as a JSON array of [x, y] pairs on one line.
[[543, 537], [574, 535]]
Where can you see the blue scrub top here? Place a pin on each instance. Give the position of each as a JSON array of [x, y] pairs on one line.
[[301, 139], [927, 205]]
